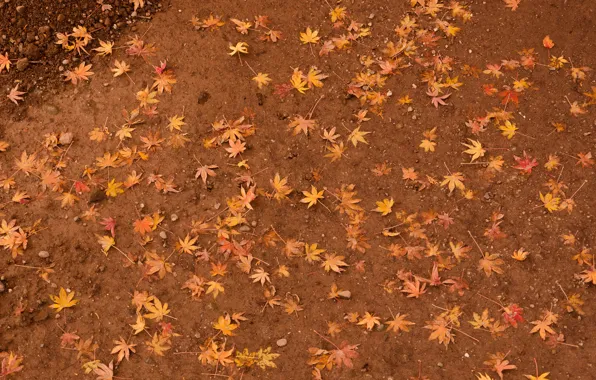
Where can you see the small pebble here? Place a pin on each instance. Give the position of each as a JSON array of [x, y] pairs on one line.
[[163, 235], [174, 217], [244, 228], [22, 64], [66, 138], [43, 254], [345, 294], [282, 342]]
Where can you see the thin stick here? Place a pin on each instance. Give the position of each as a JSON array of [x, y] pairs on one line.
[[486, 298], [392, 316], [278, 235], [446, 167], [477, 245], [560, 287], [309, 114], [216, 215], [254, 72], [327, 340], [123, 254], [582, 185], [27, 266], [469, 336]]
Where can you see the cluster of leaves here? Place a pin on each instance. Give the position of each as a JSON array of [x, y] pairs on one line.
[[424, 236]]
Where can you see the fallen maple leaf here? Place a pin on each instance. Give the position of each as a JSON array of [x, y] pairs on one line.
[[499, 364], [384, 207], [525, 164], [312, 197], [109, 224], [4, 62], [309, 36], [399, 323], [239, 48], [344, 355], [513, 4], [548, 43], [437, 99], [225, 325], [15, 95], [123, 349], [81, 73], [333, 262], [369, 321], [63, 300]]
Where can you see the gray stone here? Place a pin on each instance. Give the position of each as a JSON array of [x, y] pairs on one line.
[[174, 217], [345, 294], [43, 254], [22, 64], [282, 342], [163, 235], [66, 138]]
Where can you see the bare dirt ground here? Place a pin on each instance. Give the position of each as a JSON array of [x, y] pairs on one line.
[[438, 234]]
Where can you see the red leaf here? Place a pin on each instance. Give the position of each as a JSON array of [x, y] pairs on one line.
[[109, 224]]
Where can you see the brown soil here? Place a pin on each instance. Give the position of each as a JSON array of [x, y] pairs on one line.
[[212, 85], [28, 29]]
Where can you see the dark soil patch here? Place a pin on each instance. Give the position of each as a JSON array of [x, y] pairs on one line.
[[28, 34]]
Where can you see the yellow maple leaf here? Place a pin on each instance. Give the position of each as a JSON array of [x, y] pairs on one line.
[[298, 81], [215, 288], [309, 36], [139, 324], [63, 300], [106, 242], [369, 321], [146, 97], [239, 48], [384, 206], [156, 309], [105, 48], [225, 325], [176, 122], [453, 181], [427, 145], [114, 188], [261, 79], [508, 129], [551, 203], [312, 197], [520, 254], [475, 149], [399, 323], [120, 67], [187, 245], [314, 77], [333, 262], [357, 136]]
